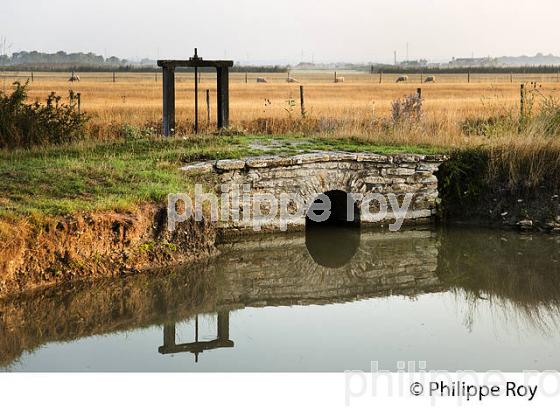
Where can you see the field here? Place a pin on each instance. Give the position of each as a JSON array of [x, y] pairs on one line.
[[347, 108]]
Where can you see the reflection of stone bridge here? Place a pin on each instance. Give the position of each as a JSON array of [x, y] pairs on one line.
[[273, 271], [268, 271]]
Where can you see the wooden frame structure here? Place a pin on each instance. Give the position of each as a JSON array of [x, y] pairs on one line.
[[222, 340], [169, 67]]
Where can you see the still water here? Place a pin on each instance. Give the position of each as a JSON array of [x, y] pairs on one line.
[[331, 300]]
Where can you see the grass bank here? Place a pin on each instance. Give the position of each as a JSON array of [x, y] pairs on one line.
[[118, 175]]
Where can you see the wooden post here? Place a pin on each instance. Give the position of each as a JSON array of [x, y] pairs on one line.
[[223, 96], [246, 78], [79, 96], [511, 78], [32, 76], [168, 100], [114, 77], [208, 112], [522, 102], [196, 81], [335, 77], [169, 335], [223, 326], [380, 77], [302, 100], [419, 92], [468, 77]]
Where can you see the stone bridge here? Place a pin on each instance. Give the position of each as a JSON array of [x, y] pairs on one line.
[[333, 174]]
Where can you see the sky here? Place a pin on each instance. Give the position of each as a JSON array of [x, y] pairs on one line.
[[284, 31]]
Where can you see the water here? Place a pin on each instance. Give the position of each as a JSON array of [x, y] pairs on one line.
[[459, 299]]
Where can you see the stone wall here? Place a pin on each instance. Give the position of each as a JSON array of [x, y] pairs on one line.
[[308, 175]]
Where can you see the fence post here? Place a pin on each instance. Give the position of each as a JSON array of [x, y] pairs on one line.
[[114, 77], [511, 78], [468, 77], [32, 76], [79, 96], [208, 113], [522, 101], [380, 77], [419, 93], [196, 82], [335, 77], [246, 78], [302, 100]]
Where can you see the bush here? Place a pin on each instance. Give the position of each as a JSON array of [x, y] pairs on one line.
[[407, 110], [26, 125]]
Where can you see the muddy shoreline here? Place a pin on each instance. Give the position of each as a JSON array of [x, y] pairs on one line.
[[99, 245]]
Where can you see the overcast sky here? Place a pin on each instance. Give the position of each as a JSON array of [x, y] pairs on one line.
[[284, 30]]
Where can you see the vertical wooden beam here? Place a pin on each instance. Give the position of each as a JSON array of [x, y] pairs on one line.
[[208, 108], [169, 335], [223, 97], [196, 81], [302, 100], [223, 325], [168, 100]]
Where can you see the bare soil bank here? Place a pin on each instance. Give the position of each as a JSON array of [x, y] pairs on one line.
[[97, 245]]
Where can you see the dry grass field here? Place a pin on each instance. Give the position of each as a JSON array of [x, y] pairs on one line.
[[118, 165], [135, 98]]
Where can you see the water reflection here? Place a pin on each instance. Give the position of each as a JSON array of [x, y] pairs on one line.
[[332, 246], [221, 341], [517, 274]]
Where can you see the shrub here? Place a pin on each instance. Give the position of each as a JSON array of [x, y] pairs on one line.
[[26, 125], [407, 110]]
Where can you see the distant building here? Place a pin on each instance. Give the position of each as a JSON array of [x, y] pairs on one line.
[[413, 63], [473, 62]]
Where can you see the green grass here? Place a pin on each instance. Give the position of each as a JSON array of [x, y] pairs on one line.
[[118, 175]]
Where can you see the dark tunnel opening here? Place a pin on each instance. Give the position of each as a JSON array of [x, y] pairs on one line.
[[343, 210]]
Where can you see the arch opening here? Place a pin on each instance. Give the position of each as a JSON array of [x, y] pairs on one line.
[[333, 208]]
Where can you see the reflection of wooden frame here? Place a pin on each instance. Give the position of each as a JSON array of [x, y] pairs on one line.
[[169, 66], [222, 341]]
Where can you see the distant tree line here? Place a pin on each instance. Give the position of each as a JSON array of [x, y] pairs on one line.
[[31, 58], [90, 62]]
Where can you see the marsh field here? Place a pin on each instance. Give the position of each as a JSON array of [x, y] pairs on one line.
[[355, 107]]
